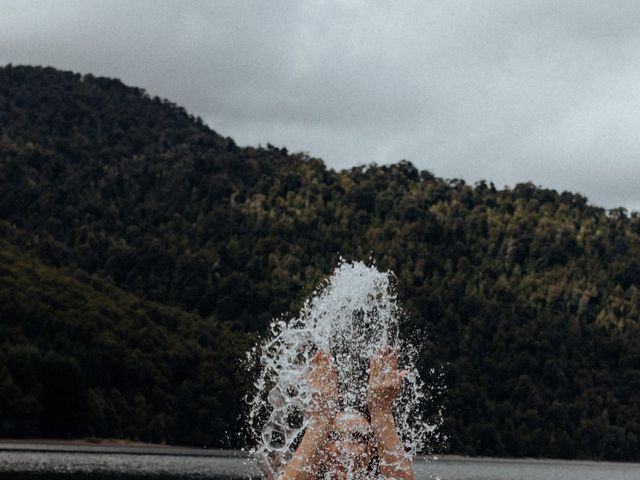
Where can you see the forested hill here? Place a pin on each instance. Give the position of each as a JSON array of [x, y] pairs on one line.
[[121, 215]]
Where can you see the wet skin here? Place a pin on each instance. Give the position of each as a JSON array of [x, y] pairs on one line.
[[341, 442], [348, 446]]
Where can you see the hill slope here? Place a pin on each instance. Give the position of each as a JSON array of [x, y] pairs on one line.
[[79, 357], [529, 296]]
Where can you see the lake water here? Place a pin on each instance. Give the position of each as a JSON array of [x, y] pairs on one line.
[[45, 462]]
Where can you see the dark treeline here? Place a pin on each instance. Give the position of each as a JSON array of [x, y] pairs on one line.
[[141, 252], [80, 357]]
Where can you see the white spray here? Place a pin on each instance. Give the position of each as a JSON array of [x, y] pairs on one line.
[[354, 315]]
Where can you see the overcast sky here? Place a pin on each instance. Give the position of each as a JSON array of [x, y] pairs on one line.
[[507, 91]]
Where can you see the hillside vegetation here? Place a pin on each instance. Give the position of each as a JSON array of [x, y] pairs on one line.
[[142, 251], [80, 357]]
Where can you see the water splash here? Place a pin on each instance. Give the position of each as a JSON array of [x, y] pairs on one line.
[[354, 314]]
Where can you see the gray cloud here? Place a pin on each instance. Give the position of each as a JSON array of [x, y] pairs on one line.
[[507, 91]]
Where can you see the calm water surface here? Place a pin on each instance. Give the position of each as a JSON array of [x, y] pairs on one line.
[[80, 463]]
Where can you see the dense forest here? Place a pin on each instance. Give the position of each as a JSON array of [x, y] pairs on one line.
[[141, 254]]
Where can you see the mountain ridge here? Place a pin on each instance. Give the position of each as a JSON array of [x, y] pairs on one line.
[[529, 296]]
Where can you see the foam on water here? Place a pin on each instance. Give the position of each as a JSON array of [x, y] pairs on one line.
[[353, 315]]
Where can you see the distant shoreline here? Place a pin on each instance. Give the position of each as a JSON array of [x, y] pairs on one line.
[[130, 447], [84, 441], [113, 446]]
